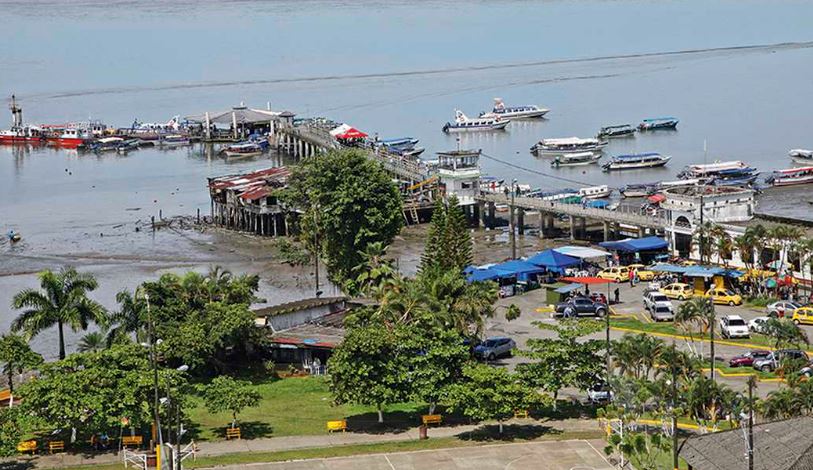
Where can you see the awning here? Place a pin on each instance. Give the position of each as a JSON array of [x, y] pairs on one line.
[[553, 259], [568, 288], [586, 280], [656, 198], [240, 114], [345, 131], [668, 268], [632, 245], [581, 252], [483, 275], [597, 204], [703, 271], [521, 269]]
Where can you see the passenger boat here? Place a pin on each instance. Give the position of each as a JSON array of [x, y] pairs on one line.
[[791, 176], [636, 161], [560, 195], [734, 177], [174, 140], [399, 142], [463, 123], [70, 137], [801, 154], [638, 190], [595, 192], [673, 184], [243, 150], [413, 152], [620, 130], [106, 144], [658, 123], [553, 147], [710, 169], [127, 145], [19, 133], [576, 159], [514, 112]]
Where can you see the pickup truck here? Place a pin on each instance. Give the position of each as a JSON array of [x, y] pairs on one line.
[[582, 307]]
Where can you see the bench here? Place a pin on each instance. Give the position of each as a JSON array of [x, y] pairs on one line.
[[233, 433], [338, 425], [521, 414], [134, 441], [431, 419], [27, 446], [56, 446]]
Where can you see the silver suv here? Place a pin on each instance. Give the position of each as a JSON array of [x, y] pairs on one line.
[[653, 299], [772, 361], [492, 348]]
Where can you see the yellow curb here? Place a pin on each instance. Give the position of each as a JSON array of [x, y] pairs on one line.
[[759, 379]]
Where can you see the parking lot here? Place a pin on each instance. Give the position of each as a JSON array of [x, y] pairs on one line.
[[631, 303], [560, 455]]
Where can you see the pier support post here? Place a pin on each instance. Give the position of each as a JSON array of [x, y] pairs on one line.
[[481, 212], [492, 214], [606, 231], [543, 218], [583, 227], [641, 232], [520, 221], [572, 227]]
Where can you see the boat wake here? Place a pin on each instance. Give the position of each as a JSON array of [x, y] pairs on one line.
[[784, 46]]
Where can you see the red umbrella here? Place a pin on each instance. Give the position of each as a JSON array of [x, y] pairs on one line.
[[351, 133], [586, 280]]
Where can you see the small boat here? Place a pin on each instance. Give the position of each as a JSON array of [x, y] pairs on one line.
[[414, 152], [463, 123], [658, 123], [243, 150], [791, 176], [399, 142], [801, 154], [174, 140], [560, 195], [128, 145], [673, 184], [567, 145], [576, 159], [106, 144], [20, 133], [710, 169], [636, 161], [638, 190], [595, 192], [734, 177], [621, 130], [71, 137], [514, 112]]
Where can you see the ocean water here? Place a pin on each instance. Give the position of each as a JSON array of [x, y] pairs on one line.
[[736, 72]]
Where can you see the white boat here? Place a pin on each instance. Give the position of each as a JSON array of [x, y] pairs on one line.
[[107, 144], [791, 176], [514, 112], [463, 123], [801, 154], [243, 150], [636, 161], [174, 140], [576, 159], [553, 147], [710, 169], [619, 130], [595, 192]]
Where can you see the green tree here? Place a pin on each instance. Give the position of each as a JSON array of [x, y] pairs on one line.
[[374, 272], [61, 301], [697, 313], [448, 244], [130, 318], [707, 401], [784, 333], [568, 360], [93, 341], [703, 239], [14, 425], [436, 362], [346, 201], [642, 450], [637, 354], [486, 392], [16, 357], [227, 394]]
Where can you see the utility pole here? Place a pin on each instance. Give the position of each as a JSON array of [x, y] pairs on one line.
[[751, 381], [154, 361], [675, 463], [607, 332], [513, 227], [711, 333]]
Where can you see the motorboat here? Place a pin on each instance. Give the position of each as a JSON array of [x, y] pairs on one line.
[[243, 150], [413, 152], [677, 183], [620, 130], [734, 177], [463, 123], [128, 145], [106, 144], [636, 161], [801, 154], [576, 159], [595, 192], [70, 137], [514, 112], [563, 195], [710, 169], [658, 123], [174, 140], [790, 177], [562, 146], [638, 189], [399, 142], [20, 133]]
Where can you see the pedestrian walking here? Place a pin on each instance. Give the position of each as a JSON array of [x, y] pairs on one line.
[[616, 293]]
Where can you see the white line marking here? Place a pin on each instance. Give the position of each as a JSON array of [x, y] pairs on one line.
[[599, 453], [388, 461]]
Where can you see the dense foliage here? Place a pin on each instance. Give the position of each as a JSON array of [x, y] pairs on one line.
[[448, 243], [16, 357], [227, 394]]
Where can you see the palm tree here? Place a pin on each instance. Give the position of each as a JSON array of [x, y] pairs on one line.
[[92, 342], [698, 311], [61, 301], [747, 244], [703, 238], [131, 318], [723, 243]]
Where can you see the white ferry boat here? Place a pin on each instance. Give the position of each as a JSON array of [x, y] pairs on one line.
[[514, 112], [553, 147], [710, 169], [595, 192], [463, 123], [636, 161]]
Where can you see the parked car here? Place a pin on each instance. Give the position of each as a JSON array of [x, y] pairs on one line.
[[747, 359], [642, 272], [733, 326], [582, 307], [757, 325], [495, 347], [654, 299], [662, 313], [678, 291], [803, 316], [781, 308], [599, 393], [615, 273], [807, 371], [771, 362], [724, 296]]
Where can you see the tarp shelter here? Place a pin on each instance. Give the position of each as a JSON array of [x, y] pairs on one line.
[[586, 280], [553, 260], [669, 268], [568, 288], [633, 245], [598, 204], [346, 131], [581, 252], [486, 274], [238, 117], [656, 198], [523, 270]]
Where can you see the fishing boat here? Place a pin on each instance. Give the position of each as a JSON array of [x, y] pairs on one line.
[[127, 145], [20, 133], [514, 112], [801, 154], [174, 140], [710, 169], [463, 123], [636, 161], [638, 190], [790, 177], [70, 137], [658, 123], [553, 147], [413, 152], [576, 159], [620, 130], [734, 177], [595, 192], [243, 150], [106, 144]]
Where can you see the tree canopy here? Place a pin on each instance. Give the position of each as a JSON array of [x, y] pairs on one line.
[[16, 357], [448, 243], [227, 394]]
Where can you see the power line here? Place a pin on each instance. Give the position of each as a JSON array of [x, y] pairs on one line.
[[536, 172]]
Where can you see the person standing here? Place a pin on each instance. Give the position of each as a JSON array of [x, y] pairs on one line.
[[632, 277], [616, 294]]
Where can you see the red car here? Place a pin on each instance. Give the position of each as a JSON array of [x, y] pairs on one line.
[[747, 359]]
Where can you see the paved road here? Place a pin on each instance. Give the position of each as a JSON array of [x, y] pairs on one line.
[[562, 455]]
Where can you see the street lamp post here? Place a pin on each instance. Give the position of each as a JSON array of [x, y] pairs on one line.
[[154, 362], [513, 226]]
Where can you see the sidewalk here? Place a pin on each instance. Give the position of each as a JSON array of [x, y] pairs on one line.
[[276, 444]]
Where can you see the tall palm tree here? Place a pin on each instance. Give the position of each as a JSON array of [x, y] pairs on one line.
[[130, 318], [703, 238], [61, 301], [698, 311]]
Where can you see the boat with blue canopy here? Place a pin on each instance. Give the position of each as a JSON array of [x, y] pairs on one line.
[[636, 161], [652, 124]]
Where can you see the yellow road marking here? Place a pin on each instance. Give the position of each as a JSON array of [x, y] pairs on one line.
[[716, 341]]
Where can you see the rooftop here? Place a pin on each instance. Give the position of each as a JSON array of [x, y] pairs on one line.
[[297, 305]]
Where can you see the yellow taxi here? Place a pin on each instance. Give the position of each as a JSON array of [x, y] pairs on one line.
[[803, 315], [615, 273], [642, 272], [688, 262], [723, 296], [678, 290]]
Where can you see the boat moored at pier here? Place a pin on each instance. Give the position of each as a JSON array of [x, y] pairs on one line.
[[595, 192], [791, 176], [562, 146], [636, 161], [707, 170], [801, 155], [576, 159], [243, 150], [20, 133], [514, 112], [620, 130], [463, 123], [658, 123]]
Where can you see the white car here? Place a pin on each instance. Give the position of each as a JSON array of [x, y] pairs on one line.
[[654, 299], [781, 309], [733, 326], [757, 325]]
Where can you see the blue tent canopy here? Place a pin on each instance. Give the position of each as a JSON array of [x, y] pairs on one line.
[[521, 269], [632, 245], [553, 259], [487, 274], [669, 268], [704, 271], [598, 204]]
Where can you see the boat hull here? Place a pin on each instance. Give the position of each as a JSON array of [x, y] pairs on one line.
[[14, 140], [792, 181], [67, 142], [634, 166], [517, 115], [234, 155], [497, 126]]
